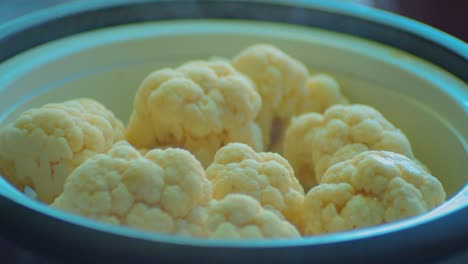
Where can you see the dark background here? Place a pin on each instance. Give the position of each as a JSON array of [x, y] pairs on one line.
[[450, 16]]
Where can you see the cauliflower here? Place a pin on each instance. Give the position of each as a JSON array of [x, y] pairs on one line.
[[314, 142], [222, 114], [239, 216], [161, 191], [373, 188], [319, 92], [267, 177], [286, 87], [44, 145], [200, 106], [275, 74]]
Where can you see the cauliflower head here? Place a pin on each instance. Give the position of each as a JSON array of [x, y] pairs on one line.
[[314, 142], [44, 145], [373, 188], [160, 192], [285, 86], [200, 106], [319, 92], [239, 216], [267, 177], [274, 73]]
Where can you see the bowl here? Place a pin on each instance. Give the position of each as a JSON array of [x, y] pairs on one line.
[[415, 75]]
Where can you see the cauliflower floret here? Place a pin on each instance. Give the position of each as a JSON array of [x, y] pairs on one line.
[[158, 192], [200, 106], [44, 145], [275, 74], [373, 188], [267, 177], [319, 92], [286, 87], [239, 216], [314, 142]]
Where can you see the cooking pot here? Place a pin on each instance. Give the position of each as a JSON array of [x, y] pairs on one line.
[[415, 75]]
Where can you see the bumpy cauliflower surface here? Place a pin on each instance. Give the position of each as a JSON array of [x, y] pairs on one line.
[[374, 187], [285, 85], [158, 192], [239, 216], [44, 145], [274, 74], [200, 106], [314, 142], [267, 177], [319, 92], [222, 114]]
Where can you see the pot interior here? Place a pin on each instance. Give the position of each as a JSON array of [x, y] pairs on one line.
[[427, 103]]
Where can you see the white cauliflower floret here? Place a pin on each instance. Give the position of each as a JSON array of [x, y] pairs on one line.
[[275, 74], [314, 142], [319, 92], [373, 188], [267, 177], [158, 192], [286, 87], [44, 145], [200, 106], [239, 216]]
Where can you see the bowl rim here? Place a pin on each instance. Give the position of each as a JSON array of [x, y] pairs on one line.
[[416, 226], [433, 36]]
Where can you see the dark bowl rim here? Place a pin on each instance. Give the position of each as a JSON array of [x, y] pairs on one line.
[[430, 35]]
